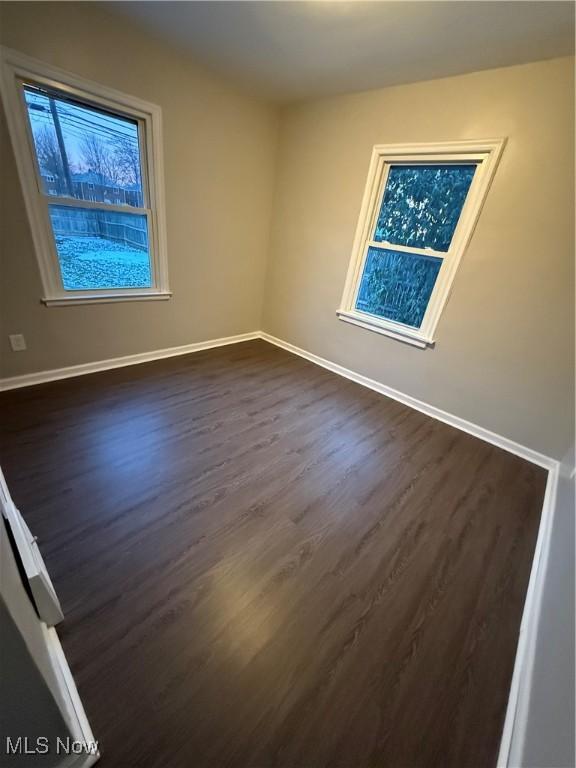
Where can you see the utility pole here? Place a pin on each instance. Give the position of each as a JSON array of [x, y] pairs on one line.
[[60, 139]]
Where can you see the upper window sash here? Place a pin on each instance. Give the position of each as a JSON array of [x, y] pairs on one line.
[[407, 163], [17, 70], [93, 113], [485, 155]]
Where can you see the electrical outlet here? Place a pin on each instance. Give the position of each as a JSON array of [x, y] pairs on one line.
[[17, 342]]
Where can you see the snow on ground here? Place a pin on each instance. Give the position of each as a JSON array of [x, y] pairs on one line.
[[93, 262]]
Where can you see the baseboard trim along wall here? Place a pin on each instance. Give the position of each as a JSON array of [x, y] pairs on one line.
[[41, 377], [430, 410], [30, 379], [76, 716], [517, 711]]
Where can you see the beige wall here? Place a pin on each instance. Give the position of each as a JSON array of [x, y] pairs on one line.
[[504, 353], [219, 150]]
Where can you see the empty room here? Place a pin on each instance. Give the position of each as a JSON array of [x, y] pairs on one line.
[[287, 384]]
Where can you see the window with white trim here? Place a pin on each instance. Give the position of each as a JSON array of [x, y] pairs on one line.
[[420, 206], [90, 163]]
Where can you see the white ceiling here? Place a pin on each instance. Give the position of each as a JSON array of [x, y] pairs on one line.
[[288, 51]]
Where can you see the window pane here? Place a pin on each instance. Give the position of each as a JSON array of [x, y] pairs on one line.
[[422, 204], [397, 285], [100, 248], [84, 152]]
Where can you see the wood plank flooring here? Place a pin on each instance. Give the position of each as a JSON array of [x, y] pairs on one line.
[[263, 564]]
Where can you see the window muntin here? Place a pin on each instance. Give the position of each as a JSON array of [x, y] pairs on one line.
[[106, 118], [420, 206]]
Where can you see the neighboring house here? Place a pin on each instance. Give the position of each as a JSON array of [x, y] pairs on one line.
[[96, 187]]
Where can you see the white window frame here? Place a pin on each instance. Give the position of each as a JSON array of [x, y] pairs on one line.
[[486, 154], [16, 69]]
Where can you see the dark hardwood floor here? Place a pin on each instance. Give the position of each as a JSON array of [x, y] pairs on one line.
[[263, 564]]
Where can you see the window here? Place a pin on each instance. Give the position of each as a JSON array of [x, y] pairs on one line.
[[420, 207], [90, 163]]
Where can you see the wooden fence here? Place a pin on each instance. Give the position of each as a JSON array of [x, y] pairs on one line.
[[125, 228]]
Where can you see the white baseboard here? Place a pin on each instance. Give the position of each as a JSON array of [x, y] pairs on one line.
[[74, 714], [29, 379], [41, 377], [517, 711], [430, 410]]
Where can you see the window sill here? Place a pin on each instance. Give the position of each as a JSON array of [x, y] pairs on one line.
[[415, 338], [106, 298]]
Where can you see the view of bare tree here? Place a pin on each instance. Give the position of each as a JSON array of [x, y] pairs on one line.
[[127, 158], [114, 164], [98, 158], [48, 153]]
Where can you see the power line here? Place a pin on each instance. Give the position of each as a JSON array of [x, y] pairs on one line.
[[74, 131], [41, 96], [86, 120], [78, 124], [103, 123]]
